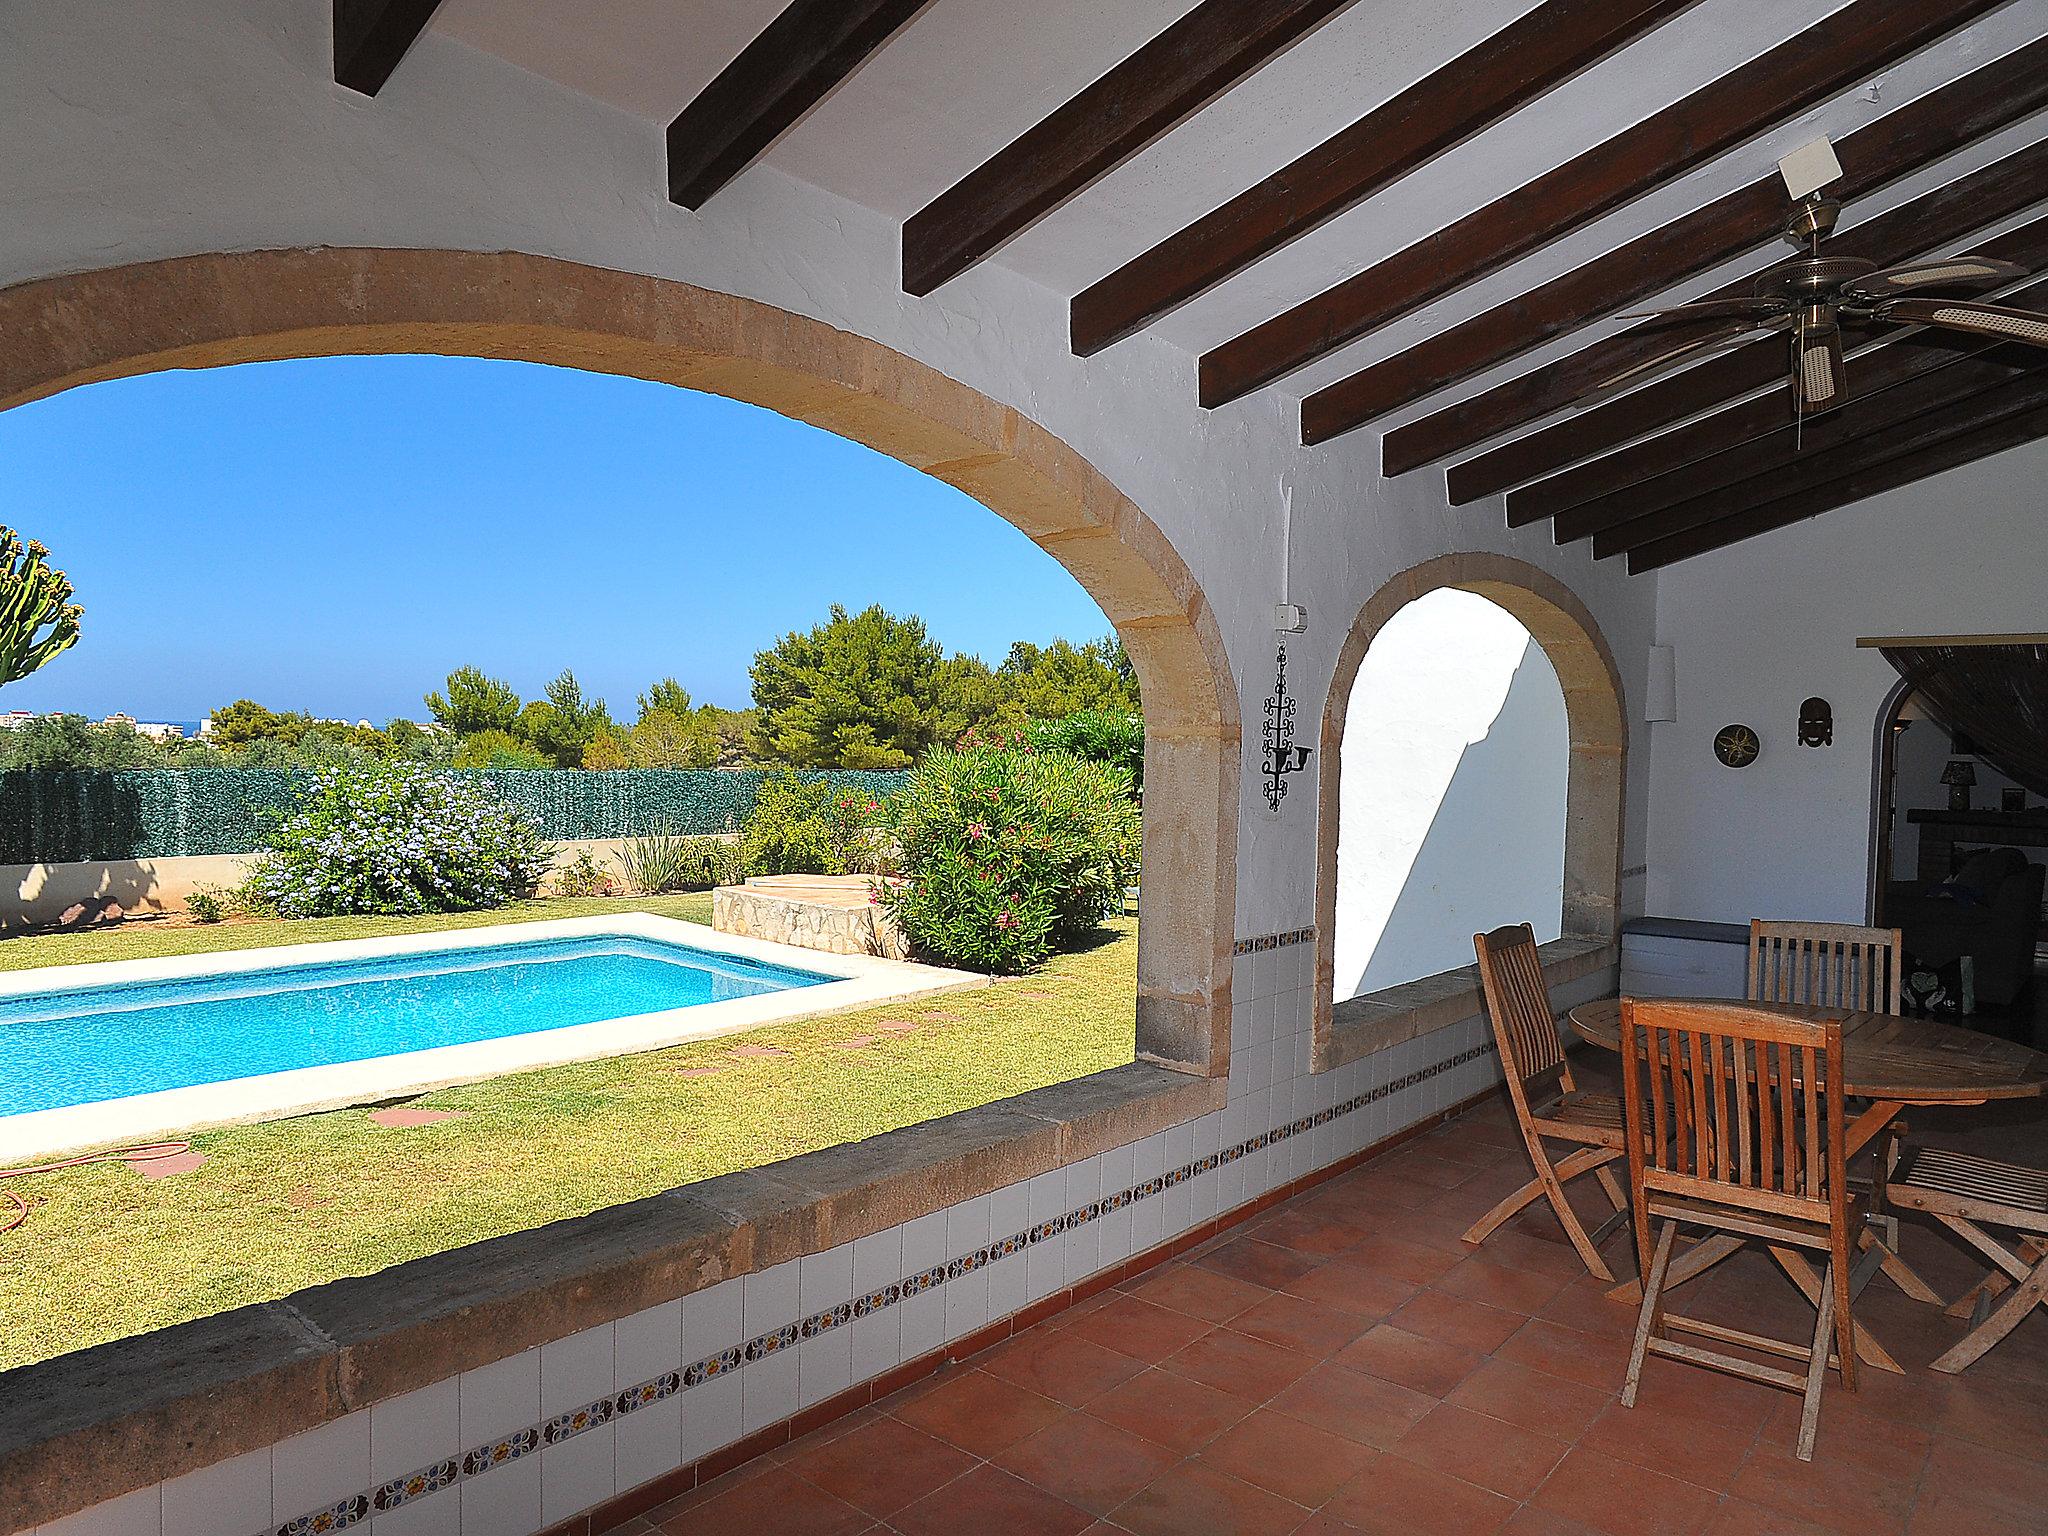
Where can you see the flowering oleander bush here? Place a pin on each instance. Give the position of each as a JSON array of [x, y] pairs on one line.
[[1009, 853], [805, 825], [397, 838]]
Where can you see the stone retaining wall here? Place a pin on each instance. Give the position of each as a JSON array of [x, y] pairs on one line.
[[823, 912]]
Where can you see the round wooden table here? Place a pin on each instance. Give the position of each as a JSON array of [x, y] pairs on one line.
[[1890, 1062]]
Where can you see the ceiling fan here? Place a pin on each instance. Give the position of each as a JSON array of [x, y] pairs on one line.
[[1811, 298]]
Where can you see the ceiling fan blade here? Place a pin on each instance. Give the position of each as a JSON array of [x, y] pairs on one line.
[[1719, 340], [1820, 377], [1946, 272], [1974, 319], [1713, 309]]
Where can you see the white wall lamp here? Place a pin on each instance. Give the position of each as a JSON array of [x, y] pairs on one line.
[[1660, 691]]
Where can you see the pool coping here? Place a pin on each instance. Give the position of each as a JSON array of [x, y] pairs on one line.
[[859, 981]]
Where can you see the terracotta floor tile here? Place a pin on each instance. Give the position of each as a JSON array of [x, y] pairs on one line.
[[1547, 1251], [881, 1466], [1531, 1521], [1400, 1258], [1709, 1452], [1410, 1359], [1198, 1292], [1240, 1364], [1396, 1497], [1197, 1497], [1620, 1499], [1739, 1517], [1468, 1324], [1295, 1322], [1318, 1234], [1693, 1391], [2018, 1485], [1590, 1359], [1139, 1329], [1503, 1457], [1436, 1172], [980, 1413], [1353, 1288], [1513, 1290], [1087, 1462], [1584, 1305], [1257, 1263], [988, 1499], [776, 1503], [1062, 1365], [1941, 1512], [1349, 1403], [1174, 1411], [1290, 1458], [1548, 1404], [1831, 1489]]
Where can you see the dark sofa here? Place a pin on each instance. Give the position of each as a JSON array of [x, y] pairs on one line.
[[1989, 909]]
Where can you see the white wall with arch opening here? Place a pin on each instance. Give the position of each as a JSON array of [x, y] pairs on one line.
[[1456, 753]]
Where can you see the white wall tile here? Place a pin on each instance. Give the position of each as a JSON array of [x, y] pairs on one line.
[[648, 1344], [1201, 1197], [438, 1514], [1008, 1284], [824, 1280], [1083, 1251], [924, 1242], [578, 1370], [924, 1322], [966, 1304], [647, 1442], [768, 1390], [308, 1472], [877, 1260], [877, 1342], [713, 1320], [768, 1298], [231, 1495], [1009, 1211], [1148, 1157], [505, 1501], [577, 1474], [711, 1415], [415, 1430], [499, 1398], [824, 1363], [140, 1513], [967, 1227]]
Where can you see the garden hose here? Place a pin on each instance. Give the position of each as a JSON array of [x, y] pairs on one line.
[[148, 1152]]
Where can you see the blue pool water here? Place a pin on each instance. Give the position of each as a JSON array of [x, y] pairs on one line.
[[94, 1043]]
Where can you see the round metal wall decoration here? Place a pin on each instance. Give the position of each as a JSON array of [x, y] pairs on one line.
[[1737, 746]]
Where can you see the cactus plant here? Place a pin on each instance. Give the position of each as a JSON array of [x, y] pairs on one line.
[[37, 617]]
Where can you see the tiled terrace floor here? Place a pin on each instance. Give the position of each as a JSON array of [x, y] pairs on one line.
[[1344, 1363]]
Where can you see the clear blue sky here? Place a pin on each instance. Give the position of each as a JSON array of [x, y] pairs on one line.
[[335, 535]]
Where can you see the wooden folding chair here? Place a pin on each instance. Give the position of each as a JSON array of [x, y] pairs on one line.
[[1735, 1124], [1962, 1192], [1548, 1103], [1830, 965]]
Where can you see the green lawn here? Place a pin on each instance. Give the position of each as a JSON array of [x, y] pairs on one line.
[[106, 1253]]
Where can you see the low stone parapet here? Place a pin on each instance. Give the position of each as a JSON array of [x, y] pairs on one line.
[[833, 913]]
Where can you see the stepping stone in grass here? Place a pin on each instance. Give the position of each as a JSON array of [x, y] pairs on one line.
[[751, 1052], [696, 1071], [165, 1167], [400, 1116], [854, 1042]]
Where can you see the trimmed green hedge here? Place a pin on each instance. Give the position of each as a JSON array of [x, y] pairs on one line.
[[51, 817]]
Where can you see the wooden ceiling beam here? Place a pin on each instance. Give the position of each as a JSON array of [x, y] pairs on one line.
[[371, 36], [1848, 47], [1603, 491], [797, 61], [1787, 461], [1212, 48], [1917, 134], [1865, 480], [1933, 220], [1481, 86]]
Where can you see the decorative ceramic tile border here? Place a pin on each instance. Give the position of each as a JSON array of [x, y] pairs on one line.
[[482, 1459], [1273, 941]]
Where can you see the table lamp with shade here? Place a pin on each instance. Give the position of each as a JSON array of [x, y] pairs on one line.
[[1959, 776]]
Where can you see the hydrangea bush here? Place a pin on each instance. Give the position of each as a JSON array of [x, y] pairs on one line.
[[1009, 853], [397, 838]]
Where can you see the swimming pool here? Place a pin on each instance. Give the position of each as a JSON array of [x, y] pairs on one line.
[[129, 1050], [104, 1042]]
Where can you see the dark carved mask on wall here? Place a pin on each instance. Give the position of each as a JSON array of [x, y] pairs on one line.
[[1816, 724]]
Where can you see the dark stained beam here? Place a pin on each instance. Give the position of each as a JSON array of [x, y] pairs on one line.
[[371, 36], [1706, 453], [1849, 46], [1210, 49], [1706, 385], [796, 62], [1917, 134], [1481, 86], [1787, 461], [1869, 478], [1969, 202]]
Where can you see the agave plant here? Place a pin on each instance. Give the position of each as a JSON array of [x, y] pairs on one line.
[[38, 620]]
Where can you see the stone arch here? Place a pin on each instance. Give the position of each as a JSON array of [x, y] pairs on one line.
[[1597, 727], [212, 310]]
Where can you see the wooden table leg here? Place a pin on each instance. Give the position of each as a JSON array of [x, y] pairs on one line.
[[1868, 1350]]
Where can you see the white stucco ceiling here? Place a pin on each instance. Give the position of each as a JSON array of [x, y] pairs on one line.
[[969, 75]]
